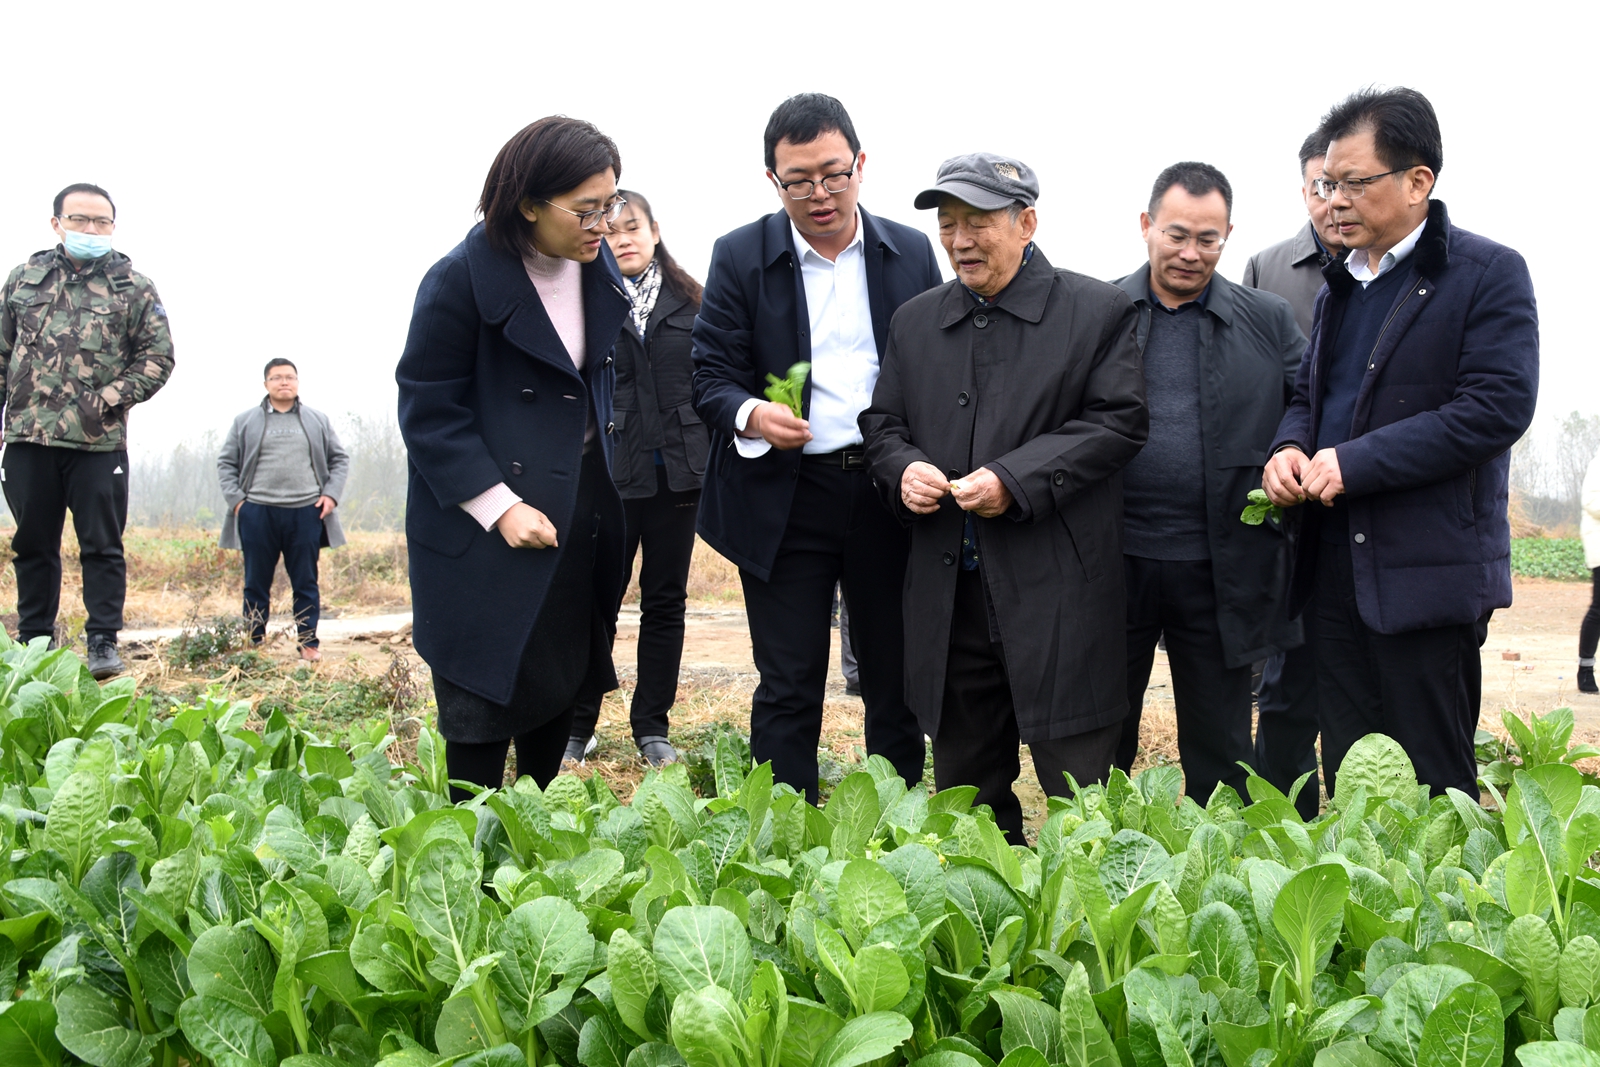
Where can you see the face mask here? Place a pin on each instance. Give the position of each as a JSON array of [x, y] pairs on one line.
[[85, 245]]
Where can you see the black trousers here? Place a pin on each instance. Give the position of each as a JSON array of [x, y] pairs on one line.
[[1286, 720], [1178, 598], [978, 740], [839, 531], [265, 533], [1589, 632], [663, 525], [41, 484], [538, 754], [1422, 688]]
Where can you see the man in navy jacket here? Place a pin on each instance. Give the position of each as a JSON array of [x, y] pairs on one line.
[[1422, 372], [788, 498]]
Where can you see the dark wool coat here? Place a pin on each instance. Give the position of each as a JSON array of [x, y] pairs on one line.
[[1046, 386], [1449, 388], [655, 402], [753, 322], [488, 394], [1250, 350]]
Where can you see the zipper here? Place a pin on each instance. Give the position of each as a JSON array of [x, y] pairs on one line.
[[1385, 329]]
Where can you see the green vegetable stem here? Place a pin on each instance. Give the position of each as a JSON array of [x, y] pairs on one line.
[[788, 390]]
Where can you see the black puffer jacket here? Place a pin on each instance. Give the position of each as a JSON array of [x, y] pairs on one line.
[[655, 402]]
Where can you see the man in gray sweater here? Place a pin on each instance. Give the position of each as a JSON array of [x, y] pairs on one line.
[[282, 471]]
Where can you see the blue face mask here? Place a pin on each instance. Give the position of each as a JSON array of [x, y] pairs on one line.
[[81, 246]]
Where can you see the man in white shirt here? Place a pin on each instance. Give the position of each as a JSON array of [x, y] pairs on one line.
[[787, 497]]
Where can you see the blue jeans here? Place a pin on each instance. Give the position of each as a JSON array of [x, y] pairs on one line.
[[265, 533]]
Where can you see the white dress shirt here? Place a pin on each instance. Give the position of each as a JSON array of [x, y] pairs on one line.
[[844, 350], [1360, 265]]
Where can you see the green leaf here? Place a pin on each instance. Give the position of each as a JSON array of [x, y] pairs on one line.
[[985, 899], [1580, 972], [1222, 947], [853, 813], [1465, 1030], [1533, 950], [632, 971], [1309, 912], [1084, 1039], [700, 945], [878, 978], [1131, 860], [1406, 1007], [1237, 1042], [546, 951], [1378, 764], [867, 895], [1352, 1053], [598, 1046], [865, 1039], [708, 1028], [916, 867], [1556, 1054], [442, 902], [226, 1033], [1022, 1056], [1484, 967], [234, 964], [1029, 1023], [28, 1035], [90, 1026], [78, 815], [811, 1026]]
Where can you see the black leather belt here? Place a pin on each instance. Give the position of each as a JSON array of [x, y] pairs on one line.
[[850, 459]]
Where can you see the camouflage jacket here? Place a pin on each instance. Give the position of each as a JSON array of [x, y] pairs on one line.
[[78, 348]]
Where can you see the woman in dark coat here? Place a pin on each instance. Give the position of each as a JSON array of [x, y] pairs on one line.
[[660, 459], [513, 525]]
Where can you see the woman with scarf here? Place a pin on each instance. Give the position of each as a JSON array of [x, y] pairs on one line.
[[660, 458]]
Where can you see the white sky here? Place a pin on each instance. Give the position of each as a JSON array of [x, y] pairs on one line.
[[287, 172]]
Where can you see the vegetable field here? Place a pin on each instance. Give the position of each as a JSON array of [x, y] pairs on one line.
[[1543, 557], [193, 889]]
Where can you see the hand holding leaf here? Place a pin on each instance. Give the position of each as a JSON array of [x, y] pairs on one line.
[[787, 390], [1260, 508]]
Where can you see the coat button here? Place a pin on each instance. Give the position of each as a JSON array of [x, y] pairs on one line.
[[1361, 539], [527, 396], [980, 321], [610, 426], [607, 363], [962, 399], [1060, 478], [516, 468], [952, 473], [949, 559]]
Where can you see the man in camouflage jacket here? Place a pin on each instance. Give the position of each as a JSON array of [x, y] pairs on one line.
[[83, 337]]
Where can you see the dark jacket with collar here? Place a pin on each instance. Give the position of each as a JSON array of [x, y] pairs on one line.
[[655, 402], [1045, 384], [488, 394], [753, 322], [1293, 270], [241, 450], [1449, 388], [1249, 352]]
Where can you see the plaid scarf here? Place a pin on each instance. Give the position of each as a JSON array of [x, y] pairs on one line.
[[643, 290]]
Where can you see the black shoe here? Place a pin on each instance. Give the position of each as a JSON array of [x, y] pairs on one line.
[[852, 689], [1586, 680], [656, 751], [103, 659], [579, 748]]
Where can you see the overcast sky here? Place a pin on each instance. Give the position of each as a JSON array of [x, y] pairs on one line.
[[287, 172]]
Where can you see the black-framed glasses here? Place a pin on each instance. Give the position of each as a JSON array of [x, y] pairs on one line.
[[1352, 188], [1206, 243], [803, 190], [590, 219], [83, 222]]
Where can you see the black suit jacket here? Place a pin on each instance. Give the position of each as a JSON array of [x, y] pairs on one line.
[[488, 394], [753, 322]]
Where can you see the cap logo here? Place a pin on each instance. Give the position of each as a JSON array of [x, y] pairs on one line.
[[1006, 170]]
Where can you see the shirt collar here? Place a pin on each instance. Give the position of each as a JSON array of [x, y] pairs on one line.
[[1359, 263], [1199, 301], [802, 247]]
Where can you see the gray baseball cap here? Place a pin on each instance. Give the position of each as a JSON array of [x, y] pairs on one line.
[[984, 180]]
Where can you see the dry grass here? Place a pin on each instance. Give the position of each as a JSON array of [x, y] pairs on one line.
[[712, 579]]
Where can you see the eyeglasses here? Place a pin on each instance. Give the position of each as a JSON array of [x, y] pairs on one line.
[[1206, 244], [590, 219], [803, 190], [1352, 188], [284, 378], [85, 222]]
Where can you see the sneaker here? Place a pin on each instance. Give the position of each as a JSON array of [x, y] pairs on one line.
[[579, 749], [656, 751], [103, 659], [1586, 680]]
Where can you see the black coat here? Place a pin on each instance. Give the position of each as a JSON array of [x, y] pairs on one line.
[[1450, 387], [488, 394], [1047, 385], [655, 402], [753, 322], [1250, 349]]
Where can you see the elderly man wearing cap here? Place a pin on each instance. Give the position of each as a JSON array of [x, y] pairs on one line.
[[1008, 402]]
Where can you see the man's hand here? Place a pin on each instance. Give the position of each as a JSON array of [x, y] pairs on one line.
[[982, 493], [237, 506], [325, 504], [1282, 478], [526, 527], [922, 486], [1322, 479], [777, 425]]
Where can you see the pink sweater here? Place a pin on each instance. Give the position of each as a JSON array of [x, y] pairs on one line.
[[559, 283]]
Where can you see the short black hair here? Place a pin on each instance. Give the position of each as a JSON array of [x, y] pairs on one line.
[[279, 362], [803, 118], [1315, 144], [544, 159], [1405, 130], [1197, 178], [81, 187]]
